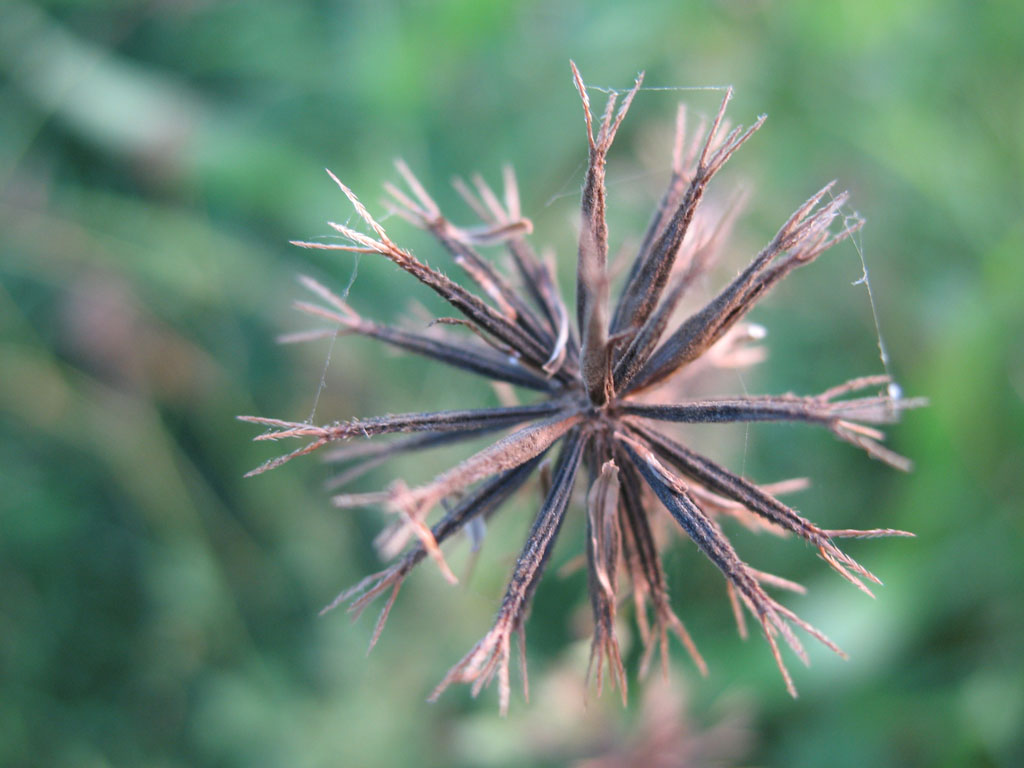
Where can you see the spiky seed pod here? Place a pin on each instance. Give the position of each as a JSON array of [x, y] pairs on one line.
[[605, 387]]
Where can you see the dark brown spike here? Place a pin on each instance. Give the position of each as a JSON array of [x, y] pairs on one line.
[[592, 262], [368, 455], [639, 532], [474, 308], [721, 480], [430, 421], [536, 275], [491, 654], [603, 546], [872, 410], [643, 291], [413, 505], [629, 362], [459, 244], [473, 358], [438, 421], [804, 236], [483, 501], [710, 540], [712, 502], [669, 202]]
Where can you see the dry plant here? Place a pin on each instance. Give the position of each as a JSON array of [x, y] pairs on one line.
[[607, 384], [666, 736]]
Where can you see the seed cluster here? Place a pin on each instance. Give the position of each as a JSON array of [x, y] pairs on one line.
[[605, 387]]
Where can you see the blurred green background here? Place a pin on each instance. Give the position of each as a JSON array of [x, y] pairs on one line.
[[156, 157]]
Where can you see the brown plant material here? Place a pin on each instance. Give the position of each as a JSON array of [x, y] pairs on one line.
[[667, 736], [608, 389]]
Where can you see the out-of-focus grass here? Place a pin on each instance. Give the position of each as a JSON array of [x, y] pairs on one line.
[[154, 160]]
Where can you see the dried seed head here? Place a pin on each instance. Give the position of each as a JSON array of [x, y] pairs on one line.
[[601, 396]]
